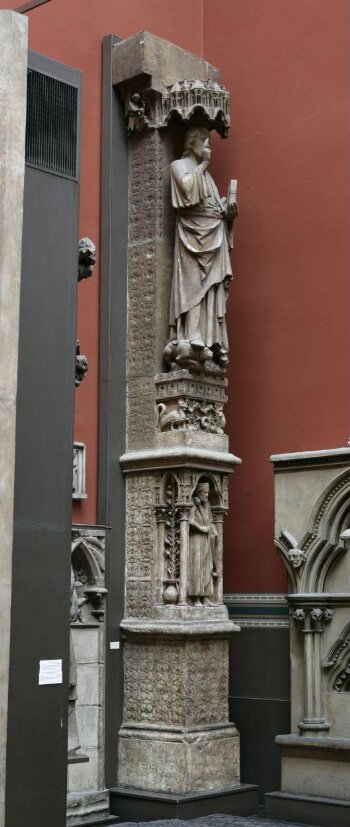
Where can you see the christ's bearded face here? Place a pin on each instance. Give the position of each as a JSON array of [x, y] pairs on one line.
[[199, 145], [203, 493]]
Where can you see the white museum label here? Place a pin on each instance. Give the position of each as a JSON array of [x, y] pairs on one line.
[[50, 671]]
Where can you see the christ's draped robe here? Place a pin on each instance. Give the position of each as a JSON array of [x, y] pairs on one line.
[[202, 267]]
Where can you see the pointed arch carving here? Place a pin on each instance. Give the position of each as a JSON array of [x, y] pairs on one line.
[[338, 663], [88, 565], [309, 560]]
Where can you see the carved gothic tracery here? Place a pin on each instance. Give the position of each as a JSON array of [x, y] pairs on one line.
[[188, 98], [88, 567], [309, 559], [338, 662]]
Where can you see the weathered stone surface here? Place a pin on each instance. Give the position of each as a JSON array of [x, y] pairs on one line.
[[13, 82], [88, 640], [312, 518], [145, 54], [202, 760], [85, 803], [176, 683], [175, 735]]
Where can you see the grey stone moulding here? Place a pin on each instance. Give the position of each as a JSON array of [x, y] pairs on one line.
[[178, 750], [312, 537], [258, 611]]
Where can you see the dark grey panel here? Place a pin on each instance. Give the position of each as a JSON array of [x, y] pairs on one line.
[[37, 725], [258, 722], [112, 435], [308, 809], [259, 663], [259, 700], [140, 805]]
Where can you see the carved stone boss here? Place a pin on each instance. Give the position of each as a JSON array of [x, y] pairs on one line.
[[176, 627]]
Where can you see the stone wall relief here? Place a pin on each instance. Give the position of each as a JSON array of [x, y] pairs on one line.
[[309, 559], [185, 402], [87, 598], [191, 101], [309, 562], [79, 471], [88, 564], [337, 663], [189, 539]]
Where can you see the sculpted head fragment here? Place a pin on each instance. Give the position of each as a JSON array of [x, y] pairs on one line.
[[195, 139], [202, 492], [87, 258]]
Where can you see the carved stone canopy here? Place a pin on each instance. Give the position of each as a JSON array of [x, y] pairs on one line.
[[168, 83], [189, 99]]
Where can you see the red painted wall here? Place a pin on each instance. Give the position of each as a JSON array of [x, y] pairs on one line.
[[287, 67], [71, 31]]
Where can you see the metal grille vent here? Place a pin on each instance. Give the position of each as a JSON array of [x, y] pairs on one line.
[[51, 132]]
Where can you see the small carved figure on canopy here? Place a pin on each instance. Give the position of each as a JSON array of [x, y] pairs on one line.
[[202, 548], [136, 113], [202, 268]]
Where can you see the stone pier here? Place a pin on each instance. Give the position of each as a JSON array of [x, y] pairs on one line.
[[176, 743]]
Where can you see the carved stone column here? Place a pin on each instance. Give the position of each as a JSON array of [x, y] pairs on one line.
[[176, 739]]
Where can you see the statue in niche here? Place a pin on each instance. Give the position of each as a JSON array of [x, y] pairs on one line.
[[202, 548], [202, 268], [75, 614], [136, 113]]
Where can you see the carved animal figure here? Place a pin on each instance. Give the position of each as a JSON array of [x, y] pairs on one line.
[[173, 419]]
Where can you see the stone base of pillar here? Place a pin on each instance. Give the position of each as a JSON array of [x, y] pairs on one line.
[[141, 805], [307, 809], [314, 781], [176, 737], [182, 762]]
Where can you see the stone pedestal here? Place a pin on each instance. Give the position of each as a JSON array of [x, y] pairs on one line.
[[176, 742], [13, 100], [312, 537]]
